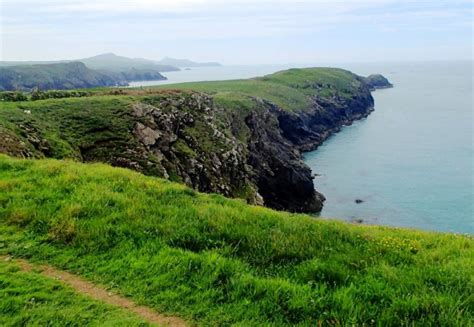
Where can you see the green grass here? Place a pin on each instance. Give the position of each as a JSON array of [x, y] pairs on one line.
[[221, 262], [30, 299], [282, 95], [72, 124]]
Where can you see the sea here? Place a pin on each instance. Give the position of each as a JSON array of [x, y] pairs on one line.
[[408, 164]]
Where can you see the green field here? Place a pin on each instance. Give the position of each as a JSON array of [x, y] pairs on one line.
[[216, 261]]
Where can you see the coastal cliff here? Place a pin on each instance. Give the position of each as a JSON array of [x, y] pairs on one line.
[[242, 139]]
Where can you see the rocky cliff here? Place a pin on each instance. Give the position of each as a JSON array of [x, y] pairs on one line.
[[240, 145]]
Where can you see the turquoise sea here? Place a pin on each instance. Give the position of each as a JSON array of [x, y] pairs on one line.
[[411, 161]]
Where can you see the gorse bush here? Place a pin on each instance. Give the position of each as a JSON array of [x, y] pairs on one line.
[[37, 94], [13, 96], [221, 262]]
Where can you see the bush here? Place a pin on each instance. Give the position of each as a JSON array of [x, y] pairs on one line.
[[13, 96], [37, 94]]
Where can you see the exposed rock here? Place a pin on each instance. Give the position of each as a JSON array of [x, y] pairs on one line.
[[172, 148], [283, 180], [146, 135], [309, 129]]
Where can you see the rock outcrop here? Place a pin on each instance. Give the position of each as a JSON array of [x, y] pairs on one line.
[[267, 165], [377, 81]]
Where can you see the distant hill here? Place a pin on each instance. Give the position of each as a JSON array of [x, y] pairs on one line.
[[186, 63], [29, 63], [115, 63], [106, 61], [112, 62], [70, 75]]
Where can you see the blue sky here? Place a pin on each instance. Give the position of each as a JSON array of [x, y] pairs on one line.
[[238, 31]]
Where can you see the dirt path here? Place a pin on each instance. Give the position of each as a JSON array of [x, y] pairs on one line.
[[98, 292]]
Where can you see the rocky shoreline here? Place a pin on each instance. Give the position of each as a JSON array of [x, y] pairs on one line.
[[306, 132], [268, 167], [252, 151]]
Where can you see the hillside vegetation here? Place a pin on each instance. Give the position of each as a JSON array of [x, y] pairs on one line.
[[217, 261]]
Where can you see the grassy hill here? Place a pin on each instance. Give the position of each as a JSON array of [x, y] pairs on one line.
[[217, 261]]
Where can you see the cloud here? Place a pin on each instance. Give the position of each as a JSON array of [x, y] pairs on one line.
[[204, 26]]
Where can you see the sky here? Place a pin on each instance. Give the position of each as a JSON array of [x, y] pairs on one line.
[[238, 31]]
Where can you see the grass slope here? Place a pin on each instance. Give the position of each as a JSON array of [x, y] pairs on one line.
[[30, 299], [69, 123], [221, 262]]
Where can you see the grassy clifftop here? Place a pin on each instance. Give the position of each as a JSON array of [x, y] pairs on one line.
[[239, 138], [291, 89], [217, 261]]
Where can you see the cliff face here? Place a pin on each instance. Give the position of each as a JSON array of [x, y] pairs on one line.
[[253, 152], [325, 116], [285, 181], [282, 178], [265, 167]]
